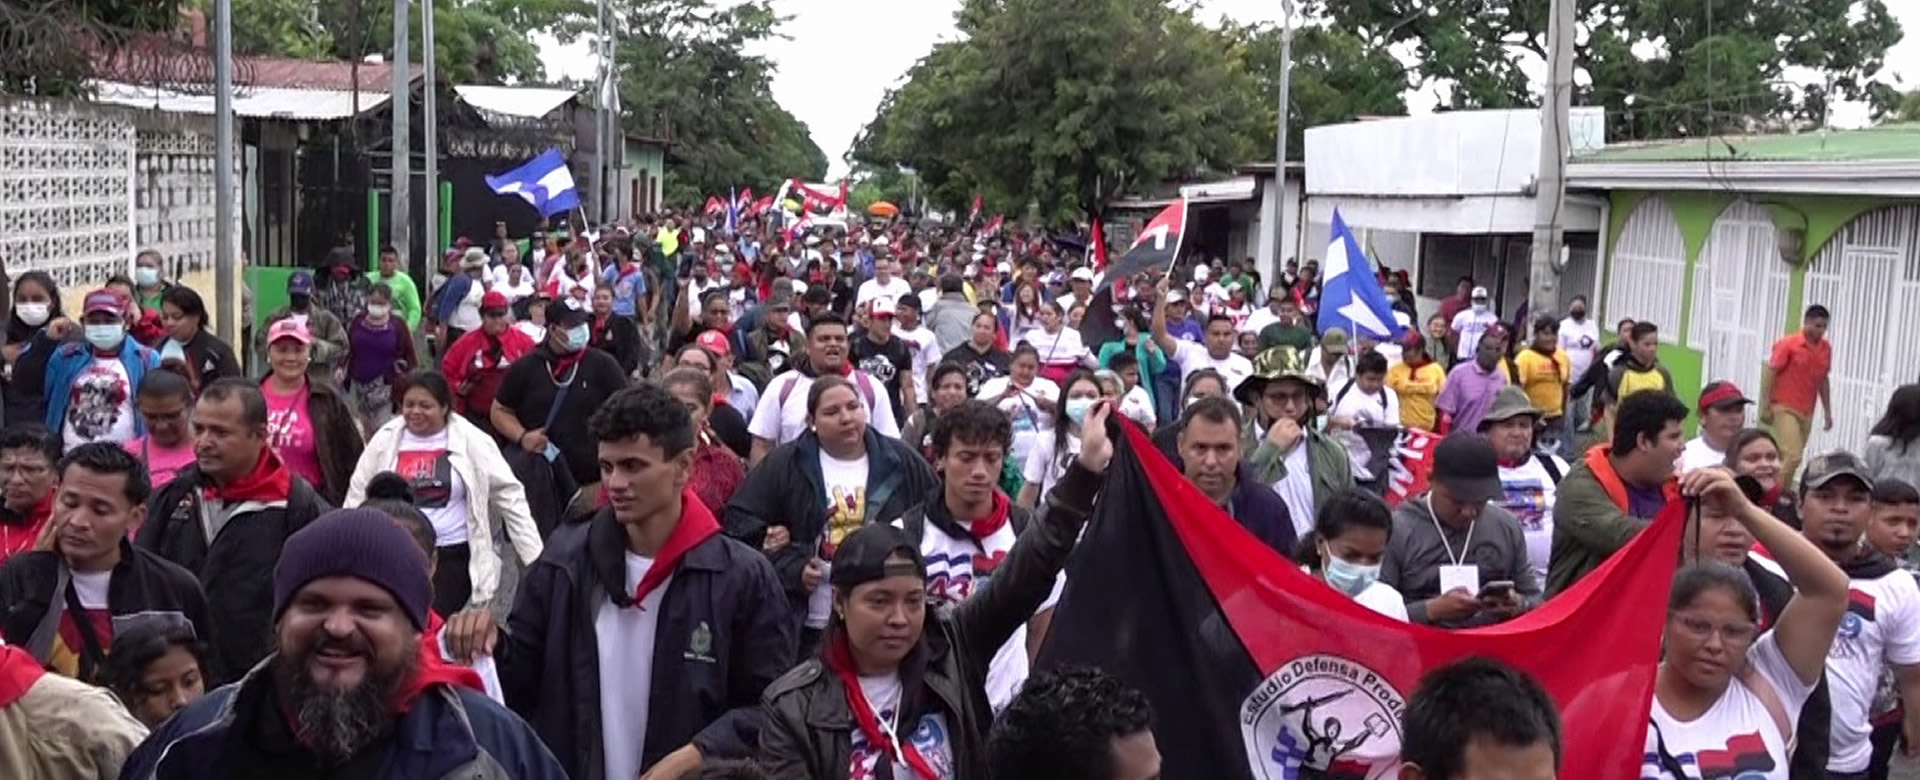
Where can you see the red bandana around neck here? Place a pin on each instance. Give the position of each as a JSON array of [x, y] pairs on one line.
[[840, 660], [435, 668], [696, 525], [269, 481], [994, 520]]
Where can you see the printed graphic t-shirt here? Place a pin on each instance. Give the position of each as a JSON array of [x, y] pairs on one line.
[[1527, 490], [1736, 737], [846, 507], [1881, 628], [100, 407], [438, 490], [930, 736], [956, 570], [290, 432]]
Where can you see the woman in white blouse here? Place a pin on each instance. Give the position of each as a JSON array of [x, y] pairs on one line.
[[1028, 398], [1723, 678], [1052, 453], [1344, 550], [1058, 346], [462, 483]]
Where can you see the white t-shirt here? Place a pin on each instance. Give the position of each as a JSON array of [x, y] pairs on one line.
[[1737, 728], [1528, 491], [1699, 455], [1335, 376], [503, 284], [1258, 320], [466, 315], [1193, 357], [870, 289], [926, 354], [1470, 325], [1044, 467], [845, 482], [1378, 410], [929, 737], [91, 588], [1296, 489], [1382, 598], [625, 645], [783, 420], [1881, 628], [1056, 349], [1031, 410], [438, 489], [1581, 340], [99, 404], [959, 568], [1213, 296]]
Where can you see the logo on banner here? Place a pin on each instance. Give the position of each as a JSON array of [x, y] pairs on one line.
[[1323, 717]]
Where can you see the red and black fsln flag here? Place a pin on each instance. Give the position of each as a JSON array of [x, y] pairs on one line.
[[1258, 672]]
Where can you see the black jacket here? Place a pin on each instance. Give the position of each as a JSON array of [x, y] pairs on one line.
[[144, 585], [722, 637], [808, 733], [787, 489], [235, 567], [619, 337], [209, 359]]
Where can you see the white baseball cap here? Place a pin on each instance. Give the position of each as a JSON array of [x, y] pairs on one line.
[[1082, 274], [1201, 273], [1480, 292]]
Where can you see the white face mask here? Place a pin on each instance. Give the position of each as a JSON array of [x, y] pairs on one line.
[[33, 314], [378, 311]]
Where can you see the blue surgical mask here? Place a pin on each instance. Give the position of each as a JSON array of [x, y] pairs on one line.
[[577, 337], [106, 336], [1348, 578], [1077, 409], [146, 277]]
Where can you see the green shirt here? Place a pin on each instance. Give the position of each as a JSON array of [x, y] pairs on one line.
[[406, 296]]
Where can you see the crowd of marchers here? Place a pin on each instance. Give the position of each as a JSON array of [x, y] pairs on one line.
[[754, 484]]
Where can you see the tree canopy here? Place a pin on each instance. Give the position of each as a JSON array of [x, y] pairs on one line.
[[476, 41], [1661, 67], [684, 67]]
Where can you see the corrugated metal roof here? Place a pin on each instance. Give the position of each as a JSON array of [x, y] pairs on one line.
[[1897, 141], [531, 102], [252, 102]]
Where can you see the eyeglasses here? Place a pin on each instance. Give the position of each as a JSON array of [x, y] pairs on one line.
[[1702, 629], [13, 469]]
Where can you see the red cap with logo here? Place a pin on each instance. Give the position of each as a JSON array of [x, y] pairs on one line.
[[713, 341]]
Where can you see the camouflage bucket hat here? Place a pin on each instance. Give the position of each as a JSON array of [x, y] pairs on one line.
[[1273, 364]]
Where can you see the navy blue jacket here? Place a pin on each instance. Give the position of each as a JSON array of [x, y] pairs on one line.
[[449, 733], [1262, 512], [723, 636]]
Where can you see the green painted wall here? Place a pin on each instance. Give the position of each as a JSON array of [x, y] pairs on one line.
[[1821, 216]]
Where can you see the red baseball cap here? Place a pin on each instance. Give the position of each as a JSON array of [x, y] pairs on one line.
[[494, 299], [713, 341], [1722, 393]]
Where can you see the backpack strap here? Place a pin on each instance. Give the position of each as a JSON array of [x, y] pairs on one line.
[[787, 389], [1342, 395], [40, 643], [1546, 462], [1770, 699], [1670, 764]]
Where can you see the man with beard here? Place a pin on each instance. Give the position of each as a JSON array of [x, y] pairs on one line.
[[346, 693], [642, 639], [782, 414]]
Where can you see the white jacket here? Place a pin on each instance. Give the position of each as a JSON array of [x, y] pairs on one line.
[[492, 493]]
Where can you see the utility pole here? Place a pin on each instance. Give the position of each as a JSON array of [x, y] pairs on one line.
[[1550, 191], [226, 234], [430, 115], [609, 138], [402, 158], [1280, 144]]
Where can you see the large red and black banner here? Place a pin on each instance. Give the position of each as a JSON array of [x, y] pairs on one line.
[[1259, 672]]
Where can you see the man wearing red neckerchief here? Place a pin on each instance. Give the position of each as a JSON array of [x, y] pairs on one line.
[[226, 517], [27, 480], [967, 531], [642, 639]]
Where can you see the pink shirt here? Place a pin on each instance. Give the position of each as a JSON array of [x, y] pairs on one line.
[[290, 432], [162, 462]]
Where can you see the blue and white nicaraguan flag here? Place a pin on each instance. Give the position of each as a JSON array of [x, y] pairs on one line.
[[1350, 296], [543, 181]]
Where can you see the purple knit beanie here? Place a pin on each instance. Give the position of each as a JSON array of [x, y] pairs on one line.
[[360, 543]]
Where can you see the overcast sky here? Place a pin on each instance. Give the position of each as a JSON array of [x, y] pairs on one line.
[[841, 57]]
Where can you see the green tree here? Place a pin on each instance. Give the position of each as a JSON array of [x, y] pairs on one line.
[[685, 72], [1661, 67], [1336, 77], [1062, 104], [1909, 108], [476, 41]]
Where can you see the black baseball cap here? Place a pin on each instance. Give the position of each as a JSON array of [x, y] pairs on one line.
[[1827, 467], [1465, 464], [862, 557], [565, 316]]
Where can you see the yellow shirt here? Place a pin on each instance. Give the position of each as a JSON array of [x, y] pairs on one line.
[[1545, 378], [1417, 388]]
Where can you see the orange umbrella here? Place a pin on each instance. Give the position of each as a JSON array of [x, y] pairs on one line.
[[883, 209]]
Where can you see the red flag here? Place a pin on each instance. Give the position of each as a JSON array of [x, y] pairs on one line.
[[714, 205], [1251, 664], [993, 225], [1097, 242], [746, 197], [760, 206], [978, 203], [1412, 459]]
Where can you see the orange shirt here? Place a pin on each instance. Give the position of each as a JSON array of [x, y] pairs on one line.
[[1799, 369]]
